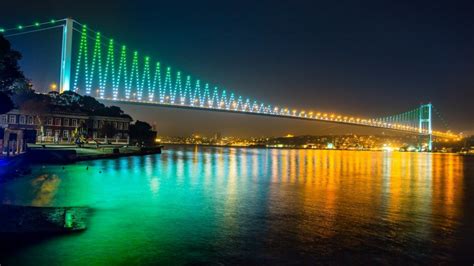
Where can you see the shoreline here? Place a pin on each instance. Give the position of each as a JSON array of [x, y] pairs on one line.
[[20, 165], [296, 148]]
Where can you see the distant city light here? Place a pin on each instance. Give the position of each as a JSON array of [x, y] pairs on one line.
[[53, 86]]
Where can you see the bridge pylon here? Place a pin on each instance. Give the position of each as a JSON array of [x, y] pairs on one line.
[[66, 56], [425, 125]]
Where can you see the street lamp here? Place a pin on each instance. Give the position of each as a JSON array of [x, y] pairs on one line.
[[53, 86]]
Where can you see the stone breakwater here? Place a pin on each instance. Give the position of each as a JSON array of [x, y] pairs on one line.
[[42, 220]]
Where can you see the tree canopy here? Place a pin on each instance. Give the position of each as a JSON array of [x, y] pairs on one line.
[[88, 104], [108, 130], [6, 103], [142, 132], [10, 72]]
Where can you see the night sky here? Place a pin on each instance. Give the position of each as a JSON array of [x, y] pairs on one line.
[[368, 58]]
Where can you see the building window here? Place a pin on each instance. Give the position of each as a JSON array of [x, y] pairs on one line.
[[12, 119], [66, 122], [74, 122], [115, 124], [49, 132], [57, 121], [4, 119], [49, 121], [66, 134], [95, 123], [120, 125], [125, 126], [22, 120], [30, 120]]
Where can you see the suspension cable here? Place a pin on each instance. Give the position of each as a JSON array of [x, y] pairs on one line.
[[445, 123], [32, 31]]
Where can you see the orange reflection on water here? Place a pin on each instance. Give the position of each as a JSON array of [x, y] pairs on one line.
[[340, 189], [46, 187]]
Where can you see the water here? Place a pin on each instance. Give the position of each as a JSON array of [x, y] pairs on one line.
[[230, 205]]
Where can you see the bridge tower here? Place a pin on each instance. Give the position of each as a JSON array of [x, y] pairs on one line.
[[425, 126], [66, 56]]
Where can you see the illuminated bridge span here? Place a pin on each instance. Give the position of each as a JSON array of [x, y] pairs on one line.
[[97, 66]]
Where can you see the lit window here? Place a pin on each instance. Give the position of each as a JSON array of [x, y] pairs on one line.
[[66, 133], [12, 119]]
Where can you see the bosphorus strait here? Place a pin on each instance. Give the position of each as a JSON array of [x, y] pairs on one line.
[[195, 204]]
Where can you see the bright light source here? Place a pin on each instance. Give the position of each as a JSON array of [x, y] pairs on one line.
[[53, 86]]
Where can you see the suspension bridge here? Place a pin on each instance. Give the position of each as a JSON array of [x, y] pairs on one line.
[[95, 65]]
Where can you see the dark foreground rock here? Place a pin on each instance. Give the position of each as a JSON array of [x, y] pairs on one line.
[[42, 220]]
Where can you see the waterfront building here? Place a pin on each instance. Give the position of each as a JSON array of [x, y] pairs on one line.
[[61, 126], [58, 126], [120, 125], [16, 130]]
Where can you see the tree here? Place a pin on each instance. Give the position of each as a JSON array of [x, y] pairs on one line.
[[108, 130], [6, 103], [142, 132], [90, 103], [35, 104], [10, 72]]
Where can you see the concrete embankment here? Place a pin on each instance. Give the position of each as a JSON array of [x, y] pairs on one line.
[[42, 220], [70, 154], [19, 165]]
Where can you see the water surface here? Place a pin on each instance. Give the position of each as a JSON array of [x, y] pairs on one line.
[[232, 205]]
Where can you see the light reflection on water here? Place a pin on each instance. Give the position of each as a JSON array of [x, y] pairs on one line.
[[231, 205]]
